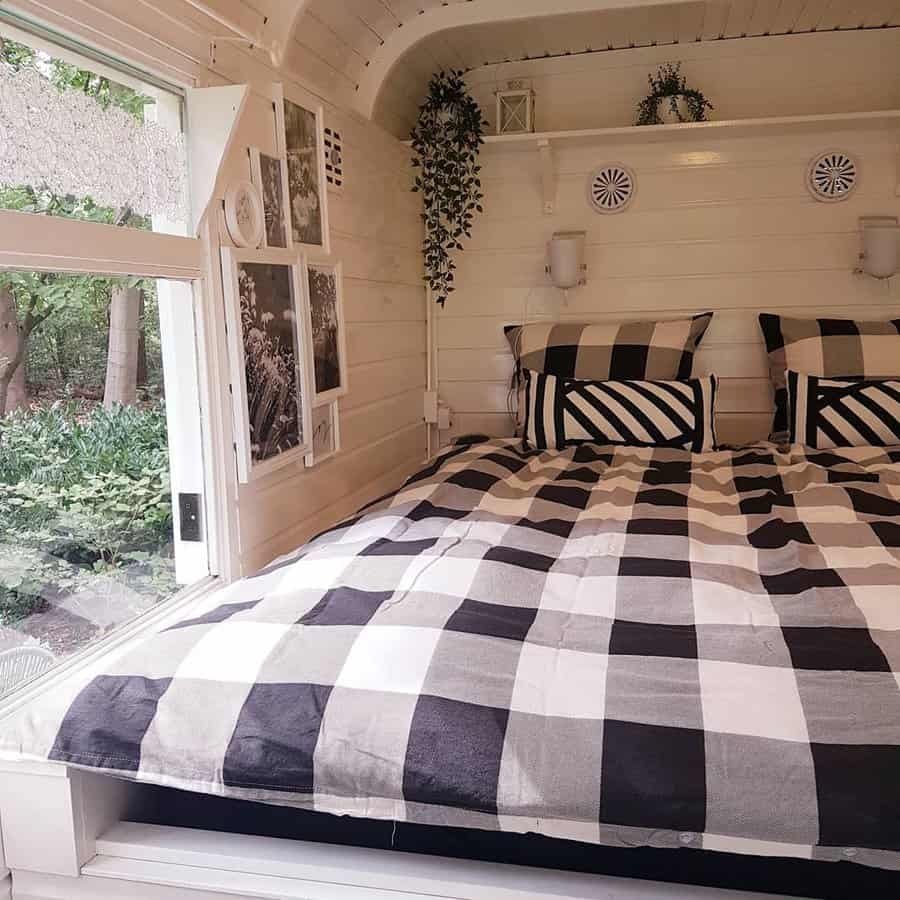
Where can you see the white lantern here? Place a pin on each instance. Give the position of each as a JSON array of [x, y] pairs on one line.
[[515, 110]]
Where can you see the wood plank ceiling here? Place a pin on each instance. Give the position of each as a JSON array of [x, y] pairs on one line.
[[344, 38], [377, 55]]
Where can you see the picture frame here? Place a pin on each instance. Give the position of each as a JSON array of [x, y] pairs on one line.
[[327, 345], [244, 216], [269, 174], [326, 433], [267, 318], [300, 125]]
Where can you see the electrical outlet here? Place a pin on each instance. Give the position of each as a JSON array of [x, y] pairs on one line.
[[190, 510]]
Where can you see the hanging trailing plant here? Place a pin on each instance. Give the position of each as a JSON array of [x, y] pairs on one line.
[[668, 88], [446, 143]]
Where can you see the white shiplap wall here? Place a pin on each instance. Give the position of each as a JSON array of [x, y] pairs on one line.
[[721, 224], [375, 232]]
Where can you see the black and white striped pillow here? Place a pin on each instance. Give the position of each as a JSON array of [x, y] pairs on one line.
[[843, 412], [560, 412]]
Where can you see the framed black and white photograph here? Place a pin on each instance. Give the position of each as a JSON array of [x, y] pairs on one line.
[[244, 216], [326, 433], [270, 176], [267, 321], [327, 343], [304, 149]]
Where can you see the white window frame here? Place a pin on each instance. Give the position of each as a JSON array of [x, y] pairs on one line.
[[31, 242]]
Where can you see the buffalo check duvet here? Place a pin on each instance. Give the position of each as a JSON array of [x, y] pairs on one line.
[[613, 645]]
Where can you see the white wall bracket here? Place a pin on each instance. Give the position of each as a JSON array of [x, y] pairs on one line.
[[548, 176]]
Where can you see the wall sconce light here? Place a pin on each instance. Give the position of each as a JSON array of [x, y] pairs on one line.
[[880, 243], [567, 268]]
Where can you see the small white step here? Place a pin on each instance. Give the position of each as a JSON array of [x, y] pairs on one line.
[[279, 869], [232, 883]]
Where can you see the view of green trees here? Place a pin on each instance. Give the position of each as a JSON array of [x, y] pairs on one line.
[[84, 493]]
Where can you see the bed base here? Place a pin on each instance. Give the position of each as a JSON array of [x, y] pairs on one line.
[[67, 837]]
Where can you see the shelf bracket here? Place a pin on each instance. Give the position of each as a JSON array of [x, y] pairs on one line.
[[548, 176]]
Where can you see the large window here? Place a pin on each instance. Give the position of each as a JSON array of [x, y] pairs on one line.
[[87, 538], [102, 511]]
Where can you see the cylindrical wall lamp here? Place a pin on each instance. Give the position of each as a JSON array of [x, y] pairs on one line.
[[880, 240], [567, 268]]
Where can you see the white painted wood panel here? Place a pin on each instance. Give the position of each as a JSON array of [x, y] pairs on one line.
[[718, 223], [376, 234], [628, 37], [761, 76], [271, 512]]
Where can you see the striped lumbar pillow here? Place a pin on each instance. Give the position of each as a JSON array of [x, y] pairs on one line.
[[843, 412], [563, 411]]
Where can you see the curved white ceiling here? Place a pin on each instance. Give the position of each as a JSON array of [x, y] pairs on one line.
[[530, 15], [379, 54]]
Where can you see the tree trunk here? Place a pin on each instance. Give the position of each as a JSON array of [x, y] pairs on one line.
[[61, 353], [142, 373], [13, 392], [124, 333]]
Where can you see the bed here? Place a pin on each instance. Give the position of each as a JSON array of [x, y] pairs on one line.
[[628, 647]]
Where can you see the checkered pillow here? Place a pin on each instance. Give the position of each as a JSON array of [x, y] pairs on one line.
[[560, 412], [826, 347], [636, 351], [843, 412]]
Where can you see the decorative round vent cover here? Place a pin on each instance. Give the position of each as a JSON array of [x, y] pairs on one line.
[[832, 176], [611, 188]]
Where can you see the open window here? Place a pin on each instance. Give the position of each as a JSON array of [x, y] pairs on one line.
[[102, 478]]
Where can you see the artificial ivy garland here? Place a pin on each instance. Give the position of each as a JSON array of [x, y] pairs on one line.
[[445, 143], [668, 85]]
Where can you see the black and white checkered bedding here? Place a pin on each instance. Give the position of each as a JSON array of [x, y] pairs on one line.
[[624, 646]]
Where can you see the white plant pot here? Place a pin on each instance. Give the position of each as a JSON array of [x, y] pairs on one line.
[[668, 116]]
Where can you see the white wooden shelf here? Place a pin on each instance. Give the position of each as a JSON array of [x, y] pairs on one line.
[[880, 119], [545, 141]]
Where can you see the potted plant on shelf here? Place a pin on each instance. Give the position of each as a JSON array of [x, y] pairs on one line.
[[445, 143], [670, 100]]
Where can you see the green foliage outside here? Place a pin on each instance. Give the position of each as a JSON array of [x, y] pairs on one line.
[[82, 494]]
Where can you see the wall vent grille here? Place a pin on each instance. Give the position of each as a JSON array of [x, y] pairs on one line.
[[334, 159]]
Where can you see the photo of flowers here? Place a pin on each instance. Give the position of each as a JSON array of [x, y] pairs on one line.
[[268, 173], [267, 316]]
